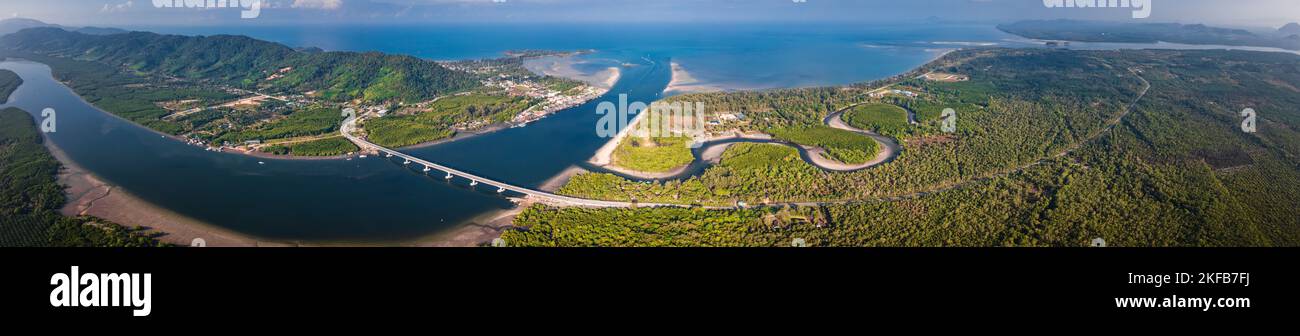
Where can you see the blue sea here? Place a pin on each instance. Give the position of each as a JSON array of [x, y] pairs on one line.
[[734, 56]]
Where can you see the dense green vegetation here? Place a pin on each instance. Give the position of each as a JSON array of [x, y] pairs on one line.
[[437, 120], [843, 146], [653, 154], [1052, 100], [321, 147], [252, 64], [1177, 171], [9, 81], [884, 119], [1099, 31], [127, 95], [30, 196], [311, 121], [146, 77], [746, 172]]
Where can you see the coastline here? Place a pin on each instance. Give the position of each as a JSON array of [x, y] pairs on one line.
[[90, 195], [562, 66], [559, 180], [683, 82], [475, 232]]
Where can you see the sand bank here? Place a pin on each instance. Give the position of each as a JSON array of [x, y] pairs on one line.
[[563, 67], [90, 195], [684, 82]]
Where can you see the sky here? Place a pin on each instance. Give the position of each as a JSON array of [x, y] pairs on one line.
[[127, 13]]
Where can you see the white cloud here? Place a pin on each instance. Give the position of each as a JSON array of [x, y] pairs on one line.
[[317, 4], [108, 8]]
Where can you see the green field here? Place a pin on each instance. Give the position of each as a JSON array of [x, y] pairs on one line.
[[884, 119], [744, 172], [322, 147], [313, 121], [840, 145], [436, 122], [653, 154]]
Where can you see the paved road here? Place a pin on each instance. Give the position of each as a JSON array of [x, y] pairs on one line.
[[350, 124]]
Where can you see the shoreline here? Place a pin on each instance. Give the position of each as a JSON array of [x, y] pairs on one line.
[[88, 194], [475, 232], [558, 181], [683, 82], [562, 66]]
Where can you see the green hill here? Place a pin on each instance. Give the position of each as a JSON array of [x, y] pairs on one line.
[[251, 63]]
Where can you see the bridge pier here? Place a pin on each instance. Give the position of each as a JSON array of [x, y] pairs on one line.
[[501, 190], [448, 176], [473, 183], [407, 162], [427, 169]]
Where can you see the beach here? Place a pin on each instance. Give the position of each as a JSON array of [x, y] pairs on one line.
[[563, 67], [88, 195], [477, 232], [684, 82]]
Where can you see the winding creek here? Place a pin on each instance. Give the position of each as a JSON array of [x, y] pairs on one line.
[[709, 153]]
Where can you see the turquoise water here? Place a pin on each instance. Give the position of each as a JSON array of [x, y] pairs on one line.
[[379, 200]]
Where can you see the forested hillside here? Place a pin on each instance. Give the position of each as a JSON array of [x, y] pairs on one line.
[[250, 63]]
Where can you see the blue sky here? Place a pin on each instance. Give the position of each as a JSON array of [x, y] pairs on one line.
[[144, 12]]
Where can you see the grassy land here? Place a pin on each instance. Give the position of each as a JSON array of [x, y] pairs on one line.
[[653, 154], [9, 81], [313, 121], [437, 121], [321, 147], [884, 119], [745, 171], [840, 145], [30, 196]]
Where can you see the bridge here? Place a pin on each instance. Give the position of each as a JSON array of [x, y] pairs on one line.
[[545, 197]]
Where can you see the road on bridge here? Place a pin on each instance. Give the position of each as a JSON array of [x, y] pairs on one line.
[[349, 125]]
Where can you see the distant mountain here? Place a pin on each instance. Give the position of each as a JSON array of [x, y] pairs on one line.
[[9, 26], [251, 63], [1097, 31], [1290, 29], [99, 31]]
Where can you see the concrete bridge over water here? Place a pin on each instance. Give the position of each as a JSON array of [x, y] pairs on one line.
[[501, 187]]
